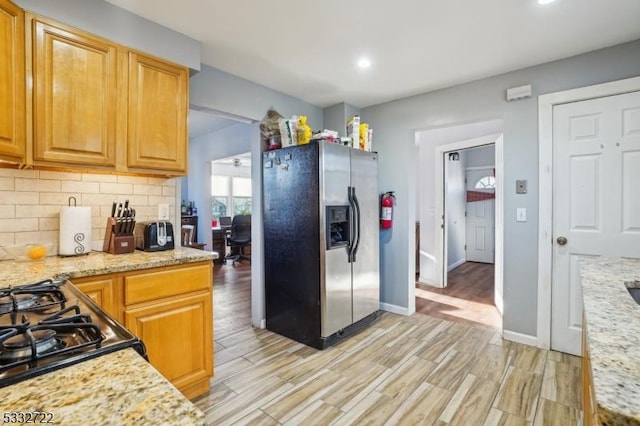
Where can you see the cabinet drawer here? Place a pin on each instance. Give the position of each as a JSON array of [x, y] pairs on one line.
[[165, 283]]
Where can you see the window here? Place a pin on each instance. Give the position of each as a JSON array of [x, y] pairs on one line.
[[230, 195], [241, 195], [487, 182], [219, 195]]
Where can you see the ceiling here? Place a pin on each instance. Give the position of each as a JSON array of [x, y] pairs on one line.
[[309, 49], [240, 160], [203, 122]]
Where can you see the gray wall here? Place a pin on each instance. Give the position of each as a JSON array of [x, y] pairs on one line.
[[111, 22], [232, 140], [221, 91], [396, 122], [336, 117], [483, 156]]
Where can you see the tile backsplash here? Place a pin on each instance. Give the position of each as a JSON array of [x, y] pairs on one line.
[[30, 201]]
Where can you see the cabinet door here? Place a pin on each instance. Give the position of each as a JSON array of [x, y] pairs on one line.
[[75, 96], [12, 83], [589, 404], [178, 335], [102, 291], [157, 114]]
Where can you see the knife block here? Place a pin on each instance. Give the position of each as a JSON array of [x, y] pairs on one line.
[[117, 244]]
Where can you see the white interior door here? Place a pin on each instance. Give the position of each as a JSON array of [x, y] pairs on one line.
[[596, 199], [480, 218]]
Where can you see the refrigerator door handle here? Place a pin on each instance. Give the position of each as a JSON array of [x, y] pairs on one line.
[[352, 227], [357, 224]]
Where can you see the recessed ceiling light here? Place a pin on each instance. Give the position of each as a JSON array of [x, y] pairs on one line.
[[545, 1], [364, 63]]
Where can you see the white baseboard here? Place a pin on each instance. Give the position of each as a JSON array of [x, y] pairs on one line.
[[455, 265], [394, 309], [525, 339]]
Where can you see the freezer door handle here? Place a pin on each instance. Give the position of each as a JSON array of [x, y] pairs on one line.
[[352, 224], [357, 224]]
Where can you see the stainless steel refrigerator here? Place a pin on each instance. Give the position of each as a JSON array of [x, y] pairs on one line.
[[321, 243]]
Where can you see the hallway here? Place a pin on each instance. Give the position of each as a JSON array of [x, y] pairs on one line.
[[468, 298]]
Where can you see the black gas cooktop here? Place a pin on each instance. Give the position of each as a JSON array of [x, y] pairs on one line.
[[51, 324]]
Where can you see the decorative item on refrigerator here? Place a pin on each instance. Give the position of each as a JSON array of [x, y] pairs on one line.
[[75, 229], [353, 131]]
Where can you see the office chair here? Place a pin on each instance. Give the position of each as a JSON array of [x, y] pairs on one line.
[[238, 238]]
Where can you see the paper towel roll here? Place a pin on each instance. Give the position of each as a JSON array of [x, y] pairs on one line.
[[75, 231]]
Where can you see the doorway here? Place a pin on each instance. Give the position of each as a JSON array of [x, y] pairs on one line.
[[443, 263], [468, 288]]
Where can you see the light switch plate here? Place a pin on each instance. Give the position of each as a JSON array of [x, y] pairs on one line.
[[521, 214], [163, 211], [521, 186]]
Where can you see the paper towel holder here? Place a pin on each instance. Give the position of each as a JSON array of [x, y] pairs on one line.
[[76, 241]]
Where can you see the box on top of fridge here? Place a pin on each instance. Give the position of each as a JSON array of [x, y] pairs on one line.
[[353, 130]]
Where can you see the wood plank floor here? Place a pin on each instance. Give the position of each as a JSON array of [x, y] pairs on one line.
[[468, 297], [401, 370]]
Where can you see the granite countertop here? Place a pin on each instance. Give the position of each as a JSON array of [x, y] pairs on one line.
[[613, 335], [96, 263], [118, 388]]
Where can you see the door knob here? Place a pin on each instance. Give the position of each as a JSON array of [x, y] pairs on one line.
[[562, 241]]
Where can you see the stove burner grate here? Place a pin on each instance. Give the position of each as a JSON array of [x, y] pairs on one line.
[[66, 331], [21, 346], [33, 297]]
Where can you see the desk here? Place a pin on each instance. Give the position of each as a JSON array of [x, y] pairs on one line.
[[218, 243], [199, 246]]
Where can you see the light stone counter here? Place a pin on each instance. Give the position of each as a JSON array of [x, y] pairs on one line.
[[95, 263], [613, 335], [120, 388]]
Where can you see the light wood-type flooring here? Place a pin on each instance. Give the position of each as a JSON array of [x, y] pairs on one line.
[[468, 297], [400, 370]]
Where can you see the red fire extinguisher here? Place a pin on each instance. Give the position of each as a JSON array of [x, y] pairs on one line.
[[387, 200]]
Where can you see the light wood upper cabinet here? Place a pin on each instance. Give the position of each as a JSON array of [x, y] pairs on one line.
[[157, 116], [12, 83], [94, 104], [74, 94]]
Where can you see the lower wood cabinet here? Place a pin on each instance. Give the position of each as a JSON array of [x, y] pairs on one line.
[[177, 334], [102, 290], [589, 404], [171, 310]]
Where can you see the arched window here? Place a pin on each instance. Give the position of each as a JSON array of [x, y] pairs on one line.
[[486, 182]]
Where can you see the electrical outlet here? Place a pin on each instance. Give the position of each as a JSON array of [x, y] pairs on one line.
[[521, 186], [163, 211]]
